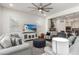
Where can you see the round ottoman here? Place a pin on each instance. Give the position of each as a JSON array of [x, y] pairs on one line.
[[39, 43]]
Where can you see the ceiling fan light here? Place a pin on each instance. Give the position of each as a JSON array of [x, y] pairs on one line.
[[40, 10]]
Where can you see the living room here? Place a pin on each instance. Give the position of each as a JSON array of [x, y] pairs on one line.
[[35, 25]]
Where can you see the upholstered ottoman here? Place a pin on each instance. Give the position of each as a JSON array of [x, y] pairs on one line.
[[39, 43]]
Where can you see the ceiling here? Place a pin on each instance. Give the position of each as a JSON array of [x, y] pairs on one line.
[[57, 7]]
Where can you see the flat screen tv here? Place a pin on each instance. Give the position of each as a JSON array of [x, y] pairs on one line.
[[30, 27]]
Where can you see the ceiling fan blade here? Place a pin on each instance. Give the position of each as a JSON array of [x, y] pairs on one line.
[[35, 5], [46, 5], [48, 8], [45, 10], [33, 11], [32, 7]]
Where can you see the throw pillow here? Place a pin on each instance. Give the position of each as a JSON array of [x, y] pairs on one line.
[[5, 42], [1, 36], [20, 41], [13, 41]]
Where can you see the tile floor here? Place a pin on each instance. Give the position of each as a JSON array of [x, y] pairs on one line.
[[38, 51]]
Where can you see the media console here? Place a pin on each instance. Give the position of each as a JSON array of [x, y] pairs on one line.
[[29, 35]]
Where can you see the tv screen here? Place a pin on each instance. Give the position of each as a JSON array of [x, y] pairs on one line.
[[30, 27]]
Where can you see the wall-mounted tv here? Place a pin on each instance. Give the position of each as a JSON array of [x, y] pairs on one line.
[[30, 27]]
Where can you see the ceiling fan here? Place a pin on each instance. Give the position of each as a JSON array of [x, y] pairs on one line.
[[41, 7]]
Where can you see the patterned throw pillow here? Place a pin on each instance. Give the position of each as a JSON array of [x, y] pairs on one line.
[[20, 41], [5, 42], [13, 41], [9, 41], [2, 36], [16, 41]]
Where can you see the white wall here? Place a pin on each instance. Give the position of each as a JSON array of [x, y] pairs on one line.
[[1, 20], [42, 25], [21, 18]]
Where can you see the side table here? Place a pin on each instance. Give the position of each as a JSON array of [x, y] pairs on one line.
[[60, 46]]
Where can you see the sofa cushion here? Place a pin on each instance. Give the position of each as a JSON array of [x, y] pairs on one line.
[[1, 47], [74, 49]]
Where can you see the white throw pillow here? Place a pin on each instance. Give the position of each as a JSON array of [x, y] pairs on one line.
[[6, 42], [2, 36]]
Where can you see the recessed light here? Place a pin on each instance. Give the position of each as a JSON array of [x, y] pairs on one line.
[[11, 5]]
